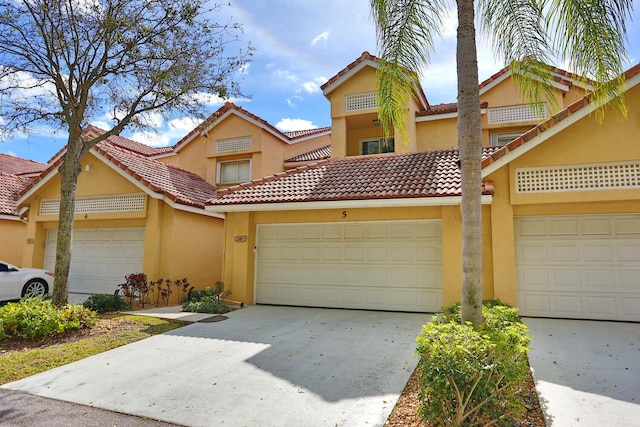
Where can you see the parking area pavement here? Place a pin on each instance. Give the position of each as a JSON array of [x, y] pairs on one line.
[[262, 366], [587, 372]]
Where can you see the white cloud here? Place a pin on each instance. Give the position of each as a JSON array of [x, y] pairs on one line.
[[286, 75], [450, 24], [292, 100], [314, 86], [324, 36], [244, 68], [169, 134], [152, 138], [290, 125]]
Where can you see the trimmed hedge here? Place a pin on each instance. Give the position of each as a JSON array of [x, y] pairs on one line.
[[472, 375], [34, 318]]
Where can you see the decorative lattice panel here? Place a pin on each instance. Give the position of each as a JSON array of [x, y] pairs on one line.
[[361, 101], [601, 176], [517, 113], [94, 204], [234, 144]]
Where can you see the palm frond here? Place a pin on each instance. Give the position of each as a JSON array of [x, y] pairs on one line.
[[517, 32], [591, 35], [406, 32]]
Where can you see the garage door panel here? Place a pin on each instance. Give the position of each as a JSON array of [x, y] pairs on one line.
[[563, 227], [533, 252], [597, 227], [565, 252], [627, 226], [354, 253], [351, 265], [566, 279], [630, 306], [628, 251], [587, 266], [601, 306], [597, 252], [596, 280]]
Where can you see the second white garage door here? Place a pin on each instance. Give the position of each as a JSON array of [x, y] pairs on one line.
[[583, 266], [390, 265], [100, 257]]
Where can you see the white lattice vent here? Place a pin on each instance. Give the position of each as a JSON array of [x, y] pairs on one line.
[[360, 101], [94, 204], [517, 113], [234, 144], [600, 176]]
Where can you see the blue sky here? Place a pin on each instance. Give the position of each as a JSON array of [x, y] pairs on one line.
[[299, 45]]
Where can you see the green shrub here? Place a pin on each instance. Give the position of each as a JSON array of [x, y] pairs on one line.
[[33, 317], [472, 375], [208, 301], [102, 303]]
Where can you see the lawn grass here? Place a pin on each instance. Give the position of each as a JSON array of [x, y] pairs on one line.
[[21, 364]]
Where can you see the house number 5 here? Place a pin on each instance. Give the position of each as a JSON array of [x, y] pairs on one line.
[[344, 214]]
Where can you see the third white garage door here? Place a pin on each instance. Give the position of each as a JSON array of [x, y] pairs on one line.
[[584, 266], [382, 265], [100, 257]]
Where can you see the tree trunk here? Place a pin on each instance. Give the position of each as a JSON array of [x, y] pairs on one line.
[[69, 171], [470, 149]]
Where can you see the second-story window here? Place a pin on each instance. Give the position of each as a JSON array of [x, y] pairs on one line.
[[377, 146], [504, 138], [234, 172]]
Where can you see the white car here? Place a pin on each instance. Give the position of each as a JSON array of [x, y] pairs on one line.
[[16, 282]]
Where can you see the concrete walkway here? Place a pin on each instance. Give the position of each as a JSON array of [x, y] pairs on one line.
[[263, 366], [587, 373]]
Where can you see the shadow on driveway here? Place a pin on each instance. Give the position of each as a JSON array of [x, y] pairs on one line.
[[262, 366]]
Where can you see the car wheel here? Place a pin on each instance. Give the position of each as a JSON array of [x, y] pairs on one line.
[[34, 288]]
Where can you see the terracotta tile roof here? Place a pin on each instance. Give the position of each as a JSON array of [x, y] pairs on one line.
[[18, 166], [321, 153], [10, 188], [444, 109], [231, 107], [427, 174], [178, 185], [549, 123], [304, 133]]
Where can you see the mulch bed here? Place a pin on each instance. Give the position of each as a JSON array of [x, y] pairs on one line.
[[406, 413]]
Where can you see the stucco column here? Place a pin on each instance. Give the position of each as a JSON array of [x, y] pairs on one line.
[[31, 242], [339, 137], [153, 240], [238, 257], [451, 254], [503, 245]]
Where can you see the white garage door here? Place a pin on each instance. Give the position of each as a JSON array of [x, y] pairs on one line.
[[584, 267], [391, 265], [100, 257]]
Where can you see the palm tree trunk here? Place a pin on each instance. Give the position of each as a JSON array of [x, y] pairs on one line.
[[470, 149], [69, 171]]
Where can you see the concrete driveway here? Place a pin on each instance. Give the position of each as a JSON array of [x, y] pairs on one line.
[[263, 366], [587, 373]]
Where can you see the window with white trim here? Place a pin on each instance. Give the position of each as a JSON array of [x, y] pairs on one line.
[[233, 172], [234, 144], [504, 137], [377, 146]]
